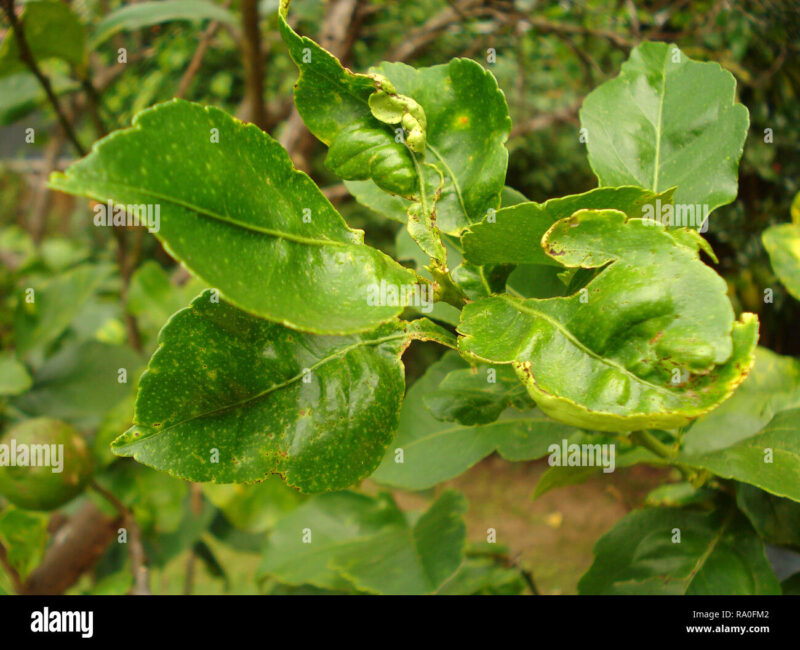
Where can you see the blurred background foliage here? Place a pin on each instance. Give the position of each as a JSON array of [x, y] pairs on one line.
[[106, 293]]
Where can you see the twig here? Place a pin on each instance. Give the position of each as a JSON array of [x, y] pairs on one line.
[[75, 548], [197, 58], [539, 122], [27, 58], [10, 570], [135, 548], [253, 61]]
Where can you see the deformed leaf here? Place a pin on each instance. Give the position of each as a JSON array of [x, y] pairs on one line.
[[783, 245], [236, 213], [428, 451], [231, 398], [513, 234], [718, 554], [434, 137], [345, 541], [650, 342], [668, 121]]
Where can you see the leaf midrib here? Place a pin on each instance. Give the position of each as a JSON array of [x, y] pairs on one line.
[[308, 241], [253, 398], [580, 345]]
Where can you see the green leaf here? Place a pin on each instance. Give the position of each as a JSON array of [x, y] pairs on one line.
[[45, 310], [153, 298], [667, 121], [477, 395], [24, 535], [629, 351], [241, 218], [773, 385], [81, 383], [253, 508], [434, 451], [791, 586], [231, 398], [775, 519], [146, 14], [14, 377], [347, 541], [718, 554], [52, 31], [783, 245], [21, 93], [433, 137], [769, 460], [512, 235], [557, 476]]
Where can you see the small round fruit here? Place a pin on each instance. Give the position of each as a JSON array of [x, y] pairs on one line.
[[34, 486]]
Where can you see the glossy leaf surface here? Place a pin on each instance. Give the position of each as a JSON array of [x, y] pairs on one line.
[[667, 121], [237, 214], [631, 351], [231, 398]]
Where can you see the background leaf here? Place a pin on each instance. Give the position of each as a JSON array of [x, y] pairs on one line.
[[667, 121]]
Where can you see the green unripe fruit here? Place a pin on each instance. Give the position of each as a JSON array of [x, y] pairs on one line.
[[29, 454]]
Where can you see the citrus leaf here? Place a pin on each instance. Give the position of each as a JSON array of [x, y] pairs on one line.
[[45, 310], [240, 217], [769, 460], [52, 31], [718, 554], [14, 377], [477, 395], [434, 137], [253, 508], [631, 351], [783, 245], [24, 534], [667, 121], [347, 541], [146, 14], [512, 235], [434, 451], [777, 520], [773, 385], [231, 398], [81, 382]]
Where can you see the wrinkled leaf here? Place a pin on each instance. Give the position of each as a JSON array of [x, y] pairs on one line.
[[632, 350], [513, 234]]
